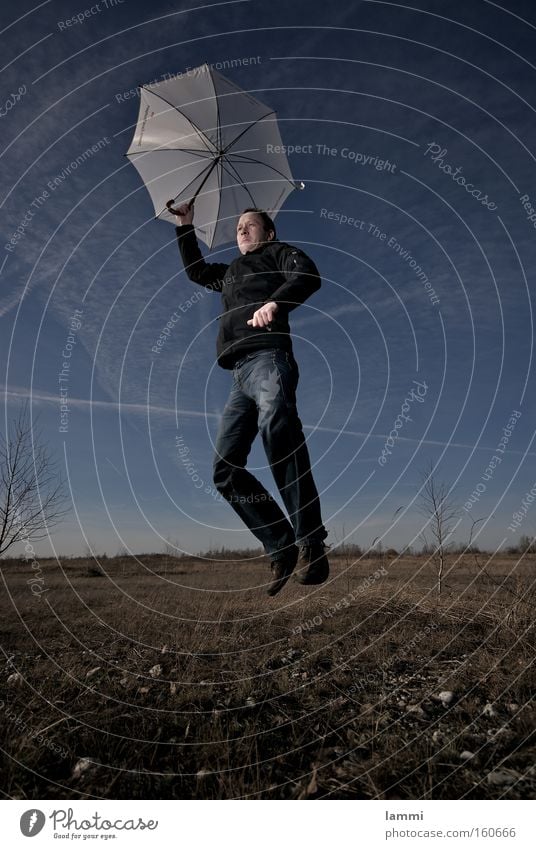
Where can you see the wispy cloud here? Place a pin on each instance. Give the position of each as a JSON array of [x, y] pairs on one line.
[[14, 394]]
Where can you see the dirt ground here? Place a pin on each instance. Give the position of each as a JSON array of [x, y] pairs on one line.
[[155, 677]]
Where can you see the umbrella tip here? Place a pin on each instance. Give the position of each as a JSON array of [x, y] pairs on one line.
[[300, 185]]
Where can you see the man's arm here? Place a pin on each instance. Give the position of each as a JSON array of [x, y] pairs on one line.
[[301, 278], [208, 274]]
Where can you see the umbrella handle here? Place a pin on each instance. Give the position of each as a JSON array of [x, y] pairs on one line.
[[170, 203], [207, 175]]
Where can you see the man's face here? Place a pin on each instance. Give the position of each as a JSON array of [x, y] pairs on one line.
[[250, 232]]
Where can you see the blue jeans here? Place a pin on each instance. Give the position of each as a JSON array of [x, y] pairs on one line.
[[263, 399]]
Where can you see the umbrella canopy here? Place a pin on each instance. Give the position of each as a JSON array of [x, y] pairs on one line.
[[200, 136]]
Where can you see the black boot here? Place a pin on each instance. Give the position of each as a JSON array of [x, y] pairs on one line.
[[313, 566], [282, 568]]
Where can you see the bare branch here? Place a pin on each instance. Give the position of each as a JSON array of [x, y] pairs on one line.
[[33, 496], [441, 512]]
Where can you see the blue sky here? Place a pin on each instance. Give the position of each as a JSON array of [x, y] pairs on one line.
[[428, 286]]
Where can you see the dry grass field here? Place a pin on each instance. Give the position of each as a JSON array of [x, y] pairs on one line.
[[180, 679]]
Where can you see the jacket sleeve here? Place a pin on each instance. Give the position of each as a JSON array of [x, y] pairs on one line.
[[301, 278], [208, 274]]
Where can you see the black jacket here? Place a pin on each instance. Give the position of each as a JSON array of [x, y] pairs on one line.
[[274, 272]]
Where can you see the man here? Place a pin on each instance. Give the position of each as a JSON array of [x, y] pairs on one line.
[[259, 289]]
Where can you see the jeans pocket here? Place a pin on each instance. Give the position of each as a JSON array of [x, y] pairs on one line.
[[286, 368]]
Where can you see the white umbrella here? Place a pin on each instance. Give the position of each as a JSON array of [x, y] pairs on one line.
[[201, 137]]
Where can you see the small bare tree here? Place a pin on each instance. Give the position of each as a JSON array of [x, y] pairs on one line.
[[437, 506], [32, 496], [527, 545]]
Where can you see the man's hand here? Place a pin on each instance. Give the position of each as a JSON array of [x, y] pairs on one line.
[[184, 213], [264, 315]]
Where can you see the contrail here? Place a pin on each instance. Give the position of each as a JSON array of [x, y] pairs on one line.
[[20, 393]]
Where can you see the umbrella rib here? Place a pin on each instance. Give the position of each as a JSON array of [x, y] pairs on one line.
[[207, 175], [265, 165], [218, 124], [196, 128], [201, 153], [239, 136], [237, 177], [219, 200], [208, 169]]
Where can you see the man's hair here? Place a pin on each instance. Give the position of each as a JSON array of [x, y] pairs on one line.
[[266, 220]]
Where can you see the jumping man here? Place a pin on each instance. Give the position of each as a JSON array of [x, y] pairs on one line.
[[259, 289]]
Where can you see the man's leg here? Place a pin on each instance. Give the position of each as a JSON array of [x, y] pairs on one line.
[[271, 379], [247, 496]]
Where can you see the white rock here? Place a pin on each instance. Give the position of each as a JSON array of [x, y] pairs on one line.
[[155, 671], [15, 679], [92, 672], [466, 756], [446, 697], [416, 710], [81, 767], [500, 777]]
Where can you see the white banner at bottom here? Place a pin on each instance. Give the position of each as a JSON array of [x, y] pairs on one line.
[[268, 824]]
